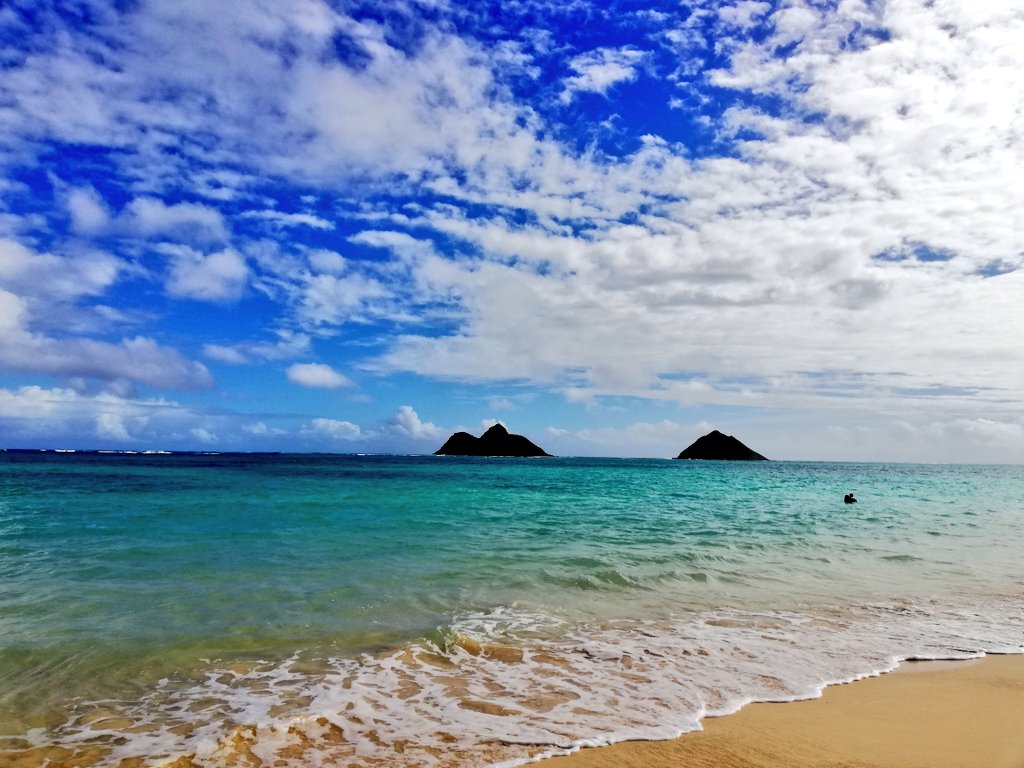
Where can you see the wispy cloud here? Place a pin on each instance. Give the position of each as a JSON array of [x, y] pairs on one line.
[[280, 219], [599, 70]]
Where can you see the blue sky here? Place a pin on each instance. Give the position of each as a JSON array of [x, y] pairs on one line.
[[611, 226]]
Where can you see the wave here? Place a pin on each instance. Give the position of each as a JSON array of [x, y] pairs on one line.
[[509, 686]]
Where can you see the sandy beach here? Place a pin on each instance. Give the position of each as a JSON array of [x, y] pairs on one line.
[[924, 715]]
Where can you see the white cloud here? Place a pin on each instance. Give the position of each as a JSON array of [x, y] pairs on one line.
[[397, 432], [327, 261], [138, 359], [80, 419], [317, 375], [111, 426], [601, 69], [362, 118], [744, 14], [203, 435], [89, 212], [406, 423], [220, 276], [47, 278], [322, 290], [225, 354], [289, 344], [794, 23], [34, 416], [12, 313], [218, 107], [188, 222], [260, 429], [280, 219], [332, 300], [332, 429]]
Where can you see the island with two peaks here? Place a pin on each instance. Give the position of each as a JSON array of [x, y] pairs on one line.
[[715, 446], [496, 441]]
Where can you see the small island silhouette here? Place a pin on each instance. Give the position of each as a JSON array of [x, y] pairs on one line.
[[715, 446], [496, 441]]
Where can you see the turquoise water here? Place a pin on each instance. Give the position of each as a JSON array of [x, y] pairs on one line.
[[445, 611]]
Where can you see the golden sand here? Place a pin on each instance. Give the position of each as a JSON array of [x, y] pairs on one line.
[[926, 715]]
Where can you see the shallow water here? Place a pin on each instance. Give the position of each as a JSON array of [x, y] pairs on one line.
[[445, 611]]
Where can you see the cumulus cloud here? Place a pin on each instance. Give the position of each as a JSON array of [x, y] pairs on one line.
[[219, 276], [405, 422], [203, 435], [188, 222], [45, 277], [260, 429], [400, 431], [144, 217], [317, 375], [332, 429], [111, 427], [327, 261]]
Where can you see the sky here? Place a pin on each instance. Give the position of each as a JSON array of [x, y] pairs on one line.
[[259, 225]]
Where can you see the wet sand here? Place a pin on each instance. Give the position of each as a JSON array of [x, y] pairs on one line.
[[925, 715]]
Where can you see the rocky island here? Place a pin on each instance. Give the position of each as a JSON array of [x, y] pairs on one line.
[[715, 446], [496, 441]]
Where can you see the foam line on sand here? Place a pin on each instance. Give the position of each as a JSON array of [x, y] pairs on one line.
[[925, 715]]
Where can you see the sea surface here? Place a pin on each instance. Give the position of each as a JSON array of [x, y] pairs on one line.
[[278, 610]]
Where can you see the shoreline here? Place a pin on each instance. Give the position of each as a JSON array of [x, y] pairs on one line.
[[924, 714]]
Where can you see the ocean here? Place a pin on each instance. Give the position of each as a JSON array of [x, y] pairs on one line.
[[279, 610]]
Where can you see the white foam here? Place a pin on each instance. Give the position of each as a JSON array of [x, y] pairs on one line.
[[510, 686]]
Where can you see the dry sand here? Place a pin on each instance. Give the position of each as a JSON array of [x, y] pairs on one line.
[[925, 715]]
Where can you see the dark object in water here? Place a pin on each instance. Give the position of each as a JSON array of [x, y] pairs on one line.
[[848, 499], [496, 441], [718, 447]]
